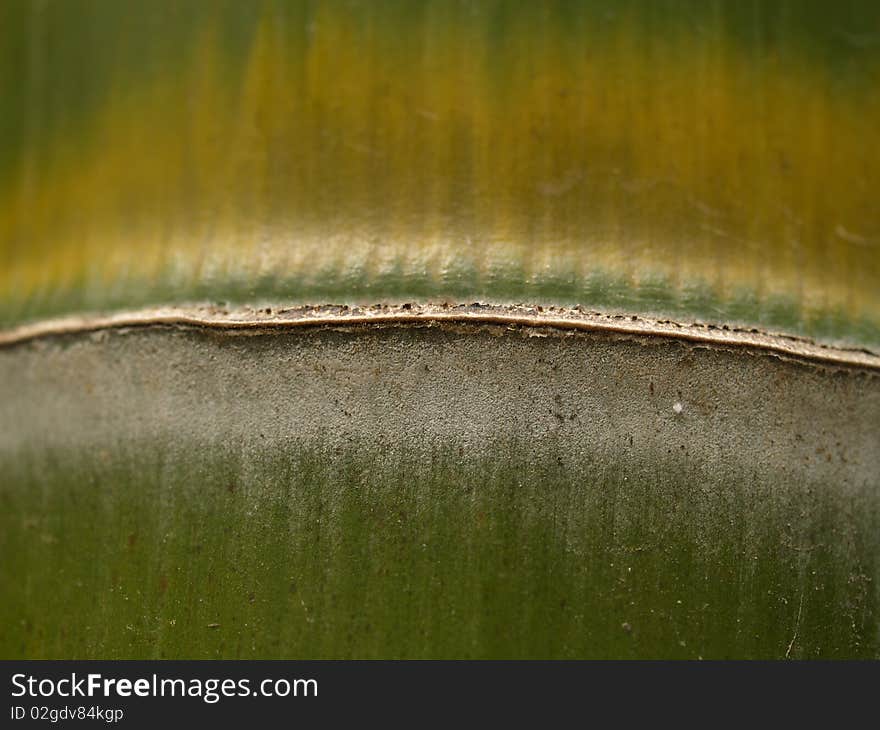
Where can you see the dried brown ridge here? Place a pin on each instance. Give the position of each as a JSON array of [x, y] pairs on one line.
[[573, 318]]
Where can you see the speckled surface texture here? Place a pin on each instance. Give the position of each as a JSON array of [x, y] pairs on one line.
[[435, 490]]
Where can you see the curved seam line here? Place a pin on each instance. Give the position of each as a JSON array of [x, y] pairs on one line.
[[575, 320]]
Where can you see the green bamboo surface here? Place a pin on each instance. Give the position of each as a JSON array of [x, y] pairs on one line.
[[692, 159], [433, 492], [711, 160], [153, 553]]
